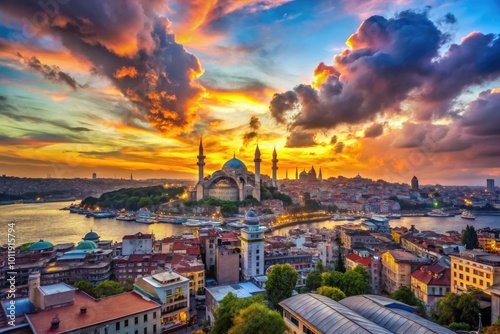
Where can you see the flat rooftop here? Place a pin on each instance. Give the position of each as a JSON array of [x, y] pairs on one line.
[[241, 290], [98, 311], [56, 288]]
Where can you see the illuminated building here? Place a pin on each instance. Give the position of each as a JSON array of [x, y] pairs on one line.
[[397, 266], [476, 269]]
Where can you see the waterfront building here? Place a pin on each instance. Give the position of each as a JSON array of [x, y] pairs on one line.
[[397, 266], [431, 283], [252, 247], [138, 243], [311, 313], [473, 268], [214, 295], [130, 267], [86, 262], [60, 308], [233, 182], [192, 268], [490, 186], [171, 291], [358, 238]]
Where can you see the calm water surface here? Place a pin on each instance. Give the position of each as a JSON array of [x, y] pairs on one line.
[[45, 221]]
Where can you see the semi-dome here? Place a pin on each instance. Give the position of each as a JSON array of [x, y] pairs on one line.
[[40, 245], [86, 245], [234, 165], [92, 236]]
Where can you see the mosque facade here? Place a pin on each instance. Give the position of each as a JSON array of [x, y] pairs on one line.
[[233, 182]]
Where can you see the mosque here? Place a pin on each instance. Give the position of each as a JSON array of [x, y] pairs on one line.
[[233, 182]]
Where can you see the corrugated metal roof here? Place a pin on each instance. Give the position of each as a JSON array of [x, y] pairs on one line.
[[329, 316], [395, 316]]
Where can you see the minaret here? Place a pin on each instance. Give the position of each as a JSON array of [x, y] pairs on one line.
[[201, 163], [275, 167], [257, 160], [296, 173], [286, 174], [320, 176]]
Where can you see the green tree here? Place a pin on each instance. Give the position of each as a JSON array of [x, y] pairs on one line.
[[447, 310], [458, 326], [333, 293], [469, 237], [313, 280], [85, 286], [493, 329], [405, 295], [128, 285], [332, 278], [258, 319], [320, 267], [353, 283], [228, 308], [362, 270], [281, 281], [107, 288]]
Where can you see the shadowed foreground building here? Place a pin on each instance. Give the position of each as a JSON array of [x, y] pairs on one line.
[[311, 313]]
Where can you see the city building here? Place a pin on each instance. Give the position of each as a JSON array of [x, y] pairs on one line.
[[490, 185], [86, 262], [94, 176], [130, 267], [430, 283], [60, 308], [311, 313], [227, 265], [192, 268], [138, 243], [214, 295], [252, 247], [414, 183], [328, 254], [171, 291], [358, 238], [233, 182], [370, 263], [300, 260], [476, 269], [397, 266]]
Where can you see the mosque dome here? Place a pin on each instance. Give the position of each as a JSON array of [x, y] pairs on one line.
[[92, 236], [251, 218], [86, 245], [40, 245], [234, 165]]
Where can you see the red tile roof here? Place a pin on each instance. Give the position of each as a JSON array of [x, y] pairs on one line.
[[364, 261], [98, 311], [138, 236], [433, 275]]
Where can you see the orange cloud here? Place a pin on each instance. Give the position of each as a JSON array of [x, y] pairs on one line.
[[125, 71]]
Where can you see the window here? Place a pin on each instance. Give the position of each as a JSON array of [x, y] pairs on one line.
[[488, 284], [258, 251], [294, 321], [481, 282], [467, 278], [154, 328], [460, 267], [145, 317], [145, 330], [117, 326], [466, 269], [487, 275], [257, 271], [126, 323], [461, 276], [136, 321], [454, 274], [258, 258], [454, 265], [154, 315], [474, 280]]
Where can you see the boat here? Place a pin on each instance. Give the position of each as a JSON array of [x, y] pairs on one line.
[[103, 214], [439, 213], [467, 215], [393, 216], [125, 218], [193, 223]]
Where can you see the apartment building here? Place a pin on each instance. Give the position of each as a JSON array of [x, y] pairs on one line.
[[473, 268], [397, 266]]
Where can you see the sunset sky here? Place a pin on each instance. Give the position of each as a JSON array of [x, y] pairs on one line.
[[387, 89]]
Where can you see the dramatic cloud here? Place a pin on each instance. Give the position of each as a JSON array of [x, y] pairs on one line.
[[482, 117], [254, 126], [333, 140], [130, 45], [339, 148], [390, 62], [374, 130], [300, 139], [52, 73]]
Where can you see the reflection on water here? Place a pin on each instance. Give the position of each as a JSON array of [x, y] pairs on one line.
[[46, 221]]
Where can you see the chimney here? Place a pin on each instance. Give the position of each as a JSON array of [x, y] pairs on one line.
[[33, 293], [55, 322], [83, 310]]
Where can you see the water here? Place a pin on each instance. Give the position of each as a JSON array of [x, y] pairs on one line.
[[45, 221]]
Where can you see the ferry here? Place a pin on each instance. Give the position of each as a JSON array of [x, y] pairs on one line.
[[125, 218], [193, 223], [467, 215], [439, 213]]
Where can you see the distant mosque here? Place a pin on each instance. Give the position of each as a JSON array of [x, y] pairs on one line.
[[233, 182]]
